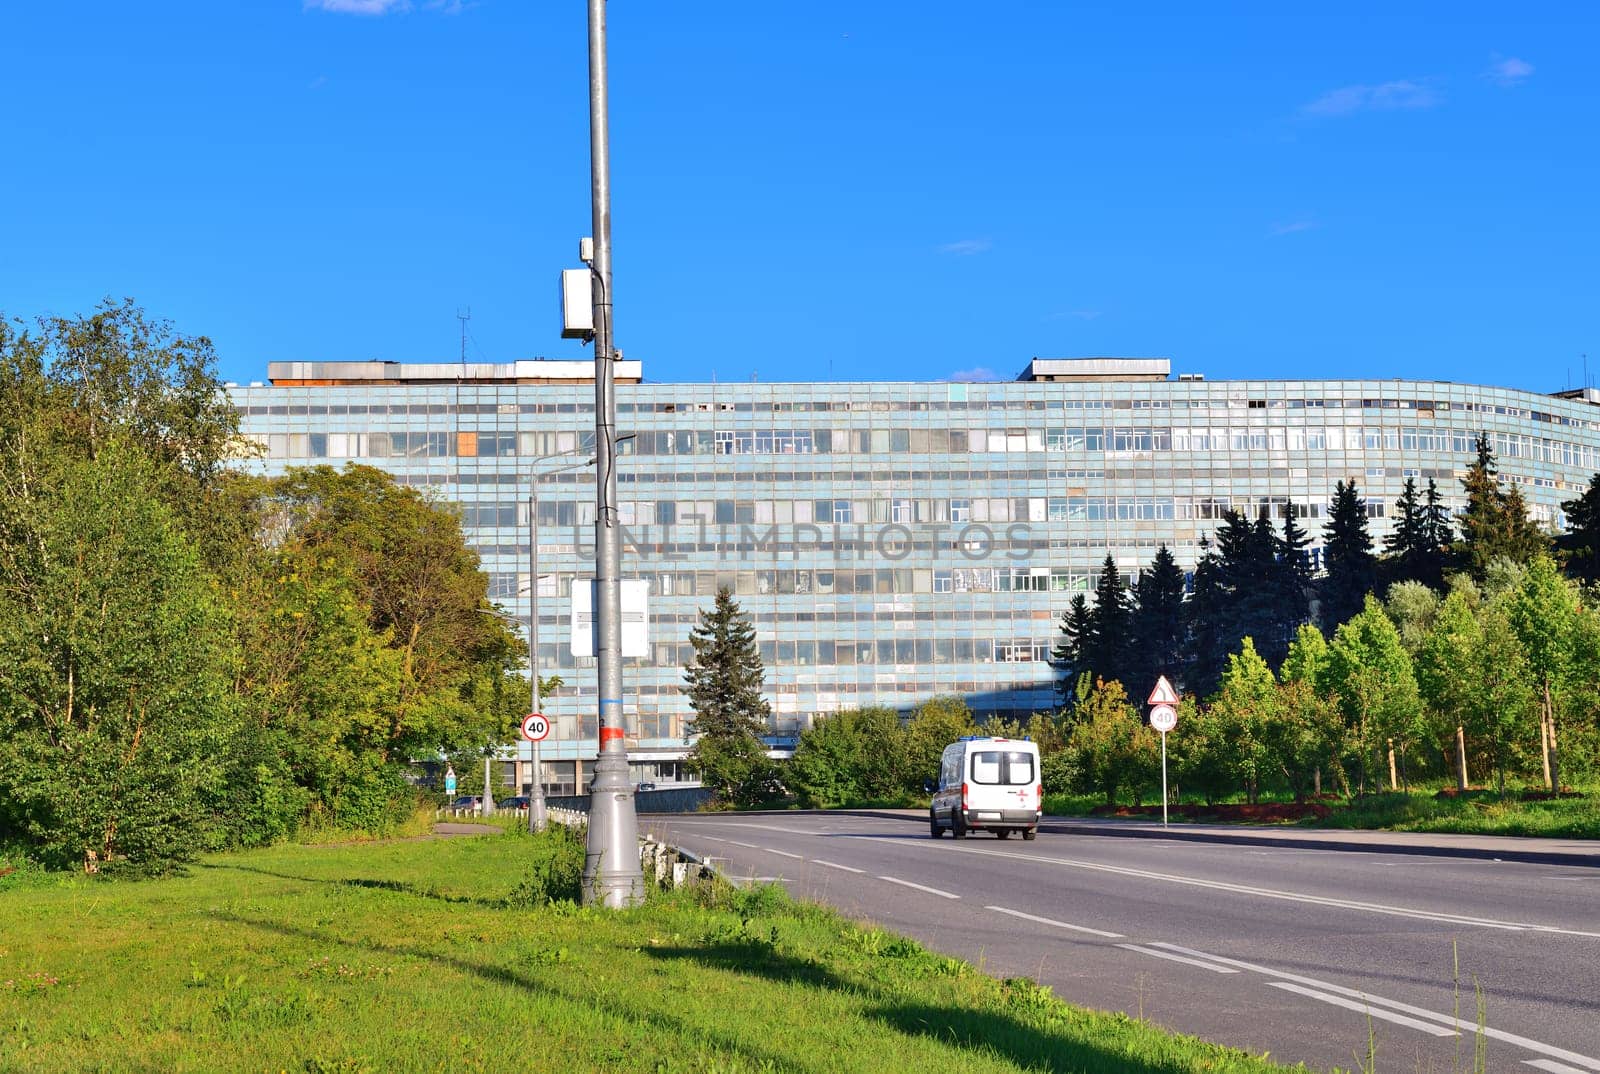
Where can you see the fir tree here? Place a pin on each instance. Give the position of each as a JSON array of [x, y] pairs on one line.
[[1077, 624], [1581, 542], [1495, 524], [1292, 585], [1158, 626], [1206, 651], [1109, 640], [1440, 534], [723, 684], [1408, 547], [1347, 552]]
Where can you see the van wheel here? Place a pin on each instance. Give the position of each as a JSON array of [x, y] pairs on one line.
[[1030, 834], [958, 825], [1002, 833], [933, 825]]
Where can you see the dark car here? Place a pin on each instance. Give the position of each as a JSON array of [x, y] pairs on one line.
[[521, 801], [645, 787], [468, 801]]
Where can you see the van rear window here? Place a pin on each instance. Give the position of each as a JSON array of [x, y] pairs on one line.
[[1012, 768]]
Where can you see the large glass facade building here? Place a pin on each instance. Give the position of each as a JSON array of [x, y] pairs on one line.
[[891, 541]]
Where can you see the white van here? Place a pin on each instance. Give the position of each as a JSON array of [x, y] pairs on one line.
[[987, 784]]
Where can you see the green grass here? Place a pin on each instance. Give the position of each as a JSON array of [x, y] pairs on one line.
[[411, 956], [1476, 813]]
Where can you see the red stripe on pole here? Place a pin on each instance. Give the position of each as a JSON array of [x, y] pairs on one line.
[[609, 733]]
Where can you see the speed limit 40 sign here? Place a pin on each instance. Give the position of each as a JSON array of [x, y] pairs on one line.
[[535, 727]]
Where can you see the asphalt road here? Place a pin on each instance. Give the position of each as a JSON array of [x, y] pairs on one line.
[[1285, 951]]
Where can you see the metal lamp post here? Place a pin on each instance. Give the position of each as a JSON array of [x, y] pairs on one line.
[[612, 876]]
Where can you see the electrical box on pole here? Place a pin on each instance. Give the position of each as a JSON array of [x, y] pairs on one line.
[[577, 304]]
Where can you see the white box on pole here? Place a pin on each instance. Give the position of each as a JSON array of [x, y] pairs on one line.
[[635, 617]]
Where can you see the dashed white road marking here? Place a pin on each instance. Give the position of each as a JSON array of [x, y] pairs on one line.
[[736, 843], [1583, 1062], [920, 887], [1212, 966], [783, 853], [1552, 1066], [1364, 1008], [836, 865], [1055, 923]]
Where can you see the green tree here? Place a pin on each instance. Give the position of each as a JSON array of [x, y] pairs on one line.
[[1412, 606], [1106, 650], [1077, 624], [1157, 624], [1111, 748], [1495, 524], [723, 682], [1544, 614], [1581, 542], [1351, 569], [114, 692], [1370, 673], [934, 724], [421, 590], [1472, 673], [1246, 704], [854, 757], [1412, 548]]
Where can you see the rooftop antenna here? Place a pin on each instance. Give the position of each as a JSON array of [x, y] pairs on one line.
[[463, 314]]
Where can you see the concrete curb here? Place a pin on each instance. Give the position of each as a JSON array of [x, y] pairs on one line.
[[1531, 855]]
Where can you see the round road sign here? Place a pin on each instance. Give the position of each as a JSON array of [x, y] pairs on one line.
[[535, 727], [1163, 718]]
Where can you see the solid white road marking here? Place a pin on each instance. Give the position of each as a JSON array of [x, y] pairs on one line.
[[919, 887], [1212, 966], [836, 865], [1374, 1012], [1551, 1065], [783, 853], [1272, 893], [1585, 1062], [1057, 924]]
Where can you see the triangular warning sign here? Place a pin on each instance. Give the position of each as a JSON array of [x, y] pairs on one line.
[[1163, 694]]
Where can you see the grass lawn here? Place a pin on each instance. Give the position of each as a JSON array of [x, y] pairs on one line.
[[1475, 813], [408, 956]]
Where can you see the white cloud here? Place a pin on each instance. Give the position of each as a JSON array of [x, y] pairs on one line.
[[1402, 94], [1293, 226], [1508, 72], [966, 247], [358, 7], [973, 376]]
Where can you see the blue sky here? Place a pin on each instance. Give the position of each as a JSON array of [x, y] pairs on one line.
[[804, 190]]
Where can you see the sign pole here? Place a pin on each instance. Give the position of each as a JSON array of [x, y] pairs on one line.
[[1163, 717], [1163, 779]]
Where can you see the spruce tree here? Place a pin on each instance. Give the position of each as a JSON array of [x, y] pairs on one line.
[[1205, 650], [723, 681], [1440, 534], [1581, 542], [1495, 524], [1158, 627], [1292, 585], [1347, 552], [1076, 626], [1111, 620], [1406, 546]]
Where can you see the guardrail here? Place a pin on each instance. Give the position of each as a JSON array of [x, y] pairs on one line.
[[661, 862]]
